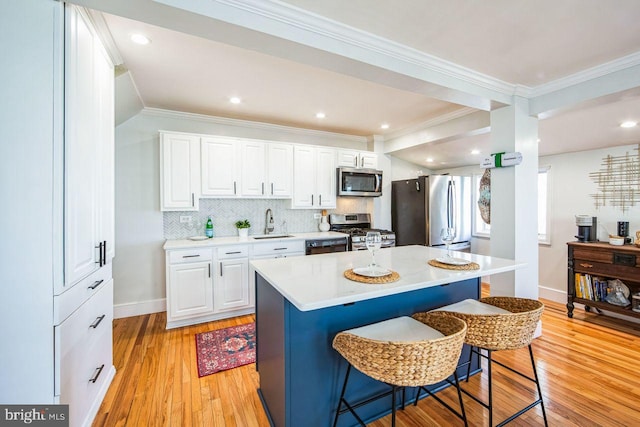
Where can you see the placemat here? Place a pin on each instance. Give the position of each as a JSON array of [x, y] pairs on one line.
[[470, 266], [394, 276]]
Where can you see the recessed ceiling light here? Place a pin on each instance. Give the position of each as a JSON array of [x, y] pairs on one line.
[[384, 126], [429, 160], [140, 39], [475, 152], [628, 124], [320, 115], [235, 100]]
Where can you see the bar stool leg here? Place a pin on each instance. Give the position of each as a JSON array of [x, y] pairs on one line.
[[469, 364], [393, 406], [535, 375], [490, 388], [464, 414]]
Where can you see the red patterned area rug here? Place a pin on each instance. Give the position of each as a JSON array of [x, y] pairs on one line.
[[226, 348]]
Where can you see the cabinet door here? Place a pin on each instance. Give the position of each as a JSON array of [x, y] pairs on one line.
[[191, 290], [81, 152], [105, 135], [368, 160], [252, 162], [304, 177], [280, 170], [232, 285], [220, 175], [180, 172], [348, 158], [326, 178]]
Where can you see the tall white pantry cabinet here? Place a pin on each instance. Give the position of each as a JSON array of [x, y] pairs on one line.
[[57, 286]]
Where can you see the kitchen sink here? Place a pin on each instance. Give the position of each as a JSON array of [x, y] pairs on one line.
[[272, 236]]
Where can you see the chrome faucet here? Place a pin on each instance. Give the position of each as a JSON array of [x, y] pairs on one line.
[[269, 225]]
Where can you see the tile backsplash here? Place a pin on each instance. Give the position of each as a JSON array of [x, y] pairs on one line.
[[225, 212]]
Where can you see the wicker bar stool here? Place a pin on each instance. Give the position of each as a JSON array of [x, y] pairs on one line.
[[402, 352], [499, 323]]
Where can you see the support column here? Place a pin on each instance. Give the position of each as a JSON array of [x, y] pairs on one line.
[[382, 204], [514, 200]]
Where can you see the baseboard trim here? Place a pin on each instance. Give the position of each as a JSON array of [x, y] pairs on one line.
[[552, 294], [139, 308]]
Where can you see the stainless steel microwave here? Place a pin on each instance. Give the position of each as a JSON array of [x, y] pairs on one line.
[[359, 182]]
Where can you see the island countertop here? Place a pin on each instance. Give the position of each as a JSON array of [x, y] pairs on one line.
[[317, 281]]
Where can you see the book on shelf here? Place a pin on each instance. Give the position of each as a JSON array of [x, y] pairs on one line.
[[590, 287]]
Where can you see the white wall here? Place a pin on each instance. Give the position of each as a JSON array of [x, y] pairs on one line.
[[570, 194], [139, 267]]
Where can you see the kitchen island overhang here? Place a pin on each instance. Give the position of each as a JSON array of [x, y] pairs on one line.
[[303, 302]]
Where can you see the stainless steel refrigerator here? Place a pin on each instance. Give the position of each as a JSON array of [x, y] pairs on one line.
[[421, 207]]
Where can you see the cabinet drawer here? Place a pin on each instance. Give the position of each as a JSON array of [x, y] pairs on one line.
[[239, 251], [83, 353], [592, 255], [68, 302], [190, 255], [622, 272], [278, 247]]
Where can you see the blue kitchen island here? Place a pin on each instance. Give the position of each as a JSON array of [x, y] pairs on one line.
[[303, 302]]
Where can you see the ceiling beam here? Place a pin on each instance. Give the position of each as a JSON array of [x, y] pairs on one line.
[[470, 124], [287, 32]]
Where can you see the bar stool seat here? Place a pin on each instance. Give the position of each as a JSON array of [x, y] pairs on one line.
[[401, 352], [494, 324]]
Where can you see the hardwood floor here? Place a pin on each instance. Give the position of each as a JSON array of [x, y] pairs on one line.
[[589, 368]]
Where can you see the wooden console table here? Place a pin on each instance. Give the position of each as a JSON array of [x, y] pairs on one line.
[[591, 266]]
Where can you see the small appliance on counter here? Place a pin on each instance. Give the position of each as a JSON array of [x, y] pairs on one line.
[[623, 231], [587, 228]]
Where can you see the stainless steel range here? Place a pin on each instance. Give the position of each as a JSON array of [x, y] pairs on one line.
[[356, 226]]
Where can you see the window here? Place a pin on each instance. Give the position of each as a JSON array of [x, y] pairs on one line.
[[482, 229]]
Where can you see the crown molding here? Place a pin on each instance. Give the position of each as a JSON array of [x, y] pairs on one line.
[[616, 65], [225, 121], [430, 123], [102, 31]]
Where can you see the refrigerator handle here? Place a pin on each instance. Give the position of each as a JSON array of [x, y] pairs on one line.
[[417, 185], [450, 205]]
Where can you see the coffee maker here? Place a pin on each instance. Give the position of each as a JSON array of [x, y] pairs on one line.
[[587, 228]]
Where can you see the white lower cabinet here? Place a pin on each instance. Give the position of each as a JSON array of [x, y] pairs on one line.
[[83, 354], [205, 284], [189, 284], [231, 290]]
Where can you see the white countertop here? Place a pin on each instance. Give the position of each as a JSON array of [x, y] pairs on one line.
[[317, 281], [235, 240]]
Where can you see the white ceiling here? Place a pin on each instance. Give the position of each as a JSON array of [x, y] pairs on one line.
[[523, 42]]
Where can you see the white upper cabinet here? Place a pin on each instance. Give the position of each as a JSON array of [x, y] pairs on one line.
[[180, 171], [314, 177], [280, 170], [89, 124], [357, 159], [235, 167], [253, 169], [220, 167]]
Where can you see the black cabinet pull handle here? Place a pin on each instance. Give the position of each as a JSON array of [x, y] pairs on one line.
[[231, 253], [104, 251], [97, 374], [190, 256], [320, 196], [263, 188], [209, 268], [193, 199], [220, 269], [279, 249], [99, 248], [234, 187], [312, 200], [95, 284], [95, 324], [272, 188]]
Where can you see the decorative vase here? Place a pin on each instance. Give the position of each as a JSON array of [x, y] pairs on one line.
[[324, 225], [243, 233]]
